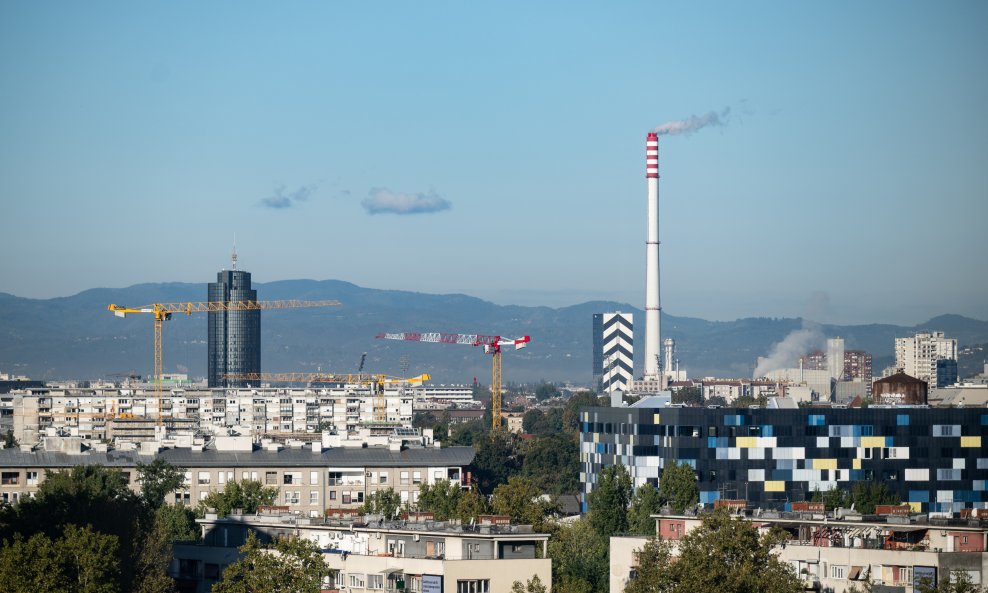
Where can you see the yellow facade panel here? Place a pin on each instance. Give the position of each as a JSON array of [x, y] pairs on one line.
[[872, 441], [656, 419], [916, 507], [971, 442], [775, 486], [824, 464], [747, 442], [856, 464]]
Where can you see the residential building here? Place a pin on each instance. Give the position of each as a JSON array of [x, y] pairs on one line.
[[613, 351], [836, 553], [310, 477], [417, 554], [917, 356], [234, 336], [931, 458], [91, 412]]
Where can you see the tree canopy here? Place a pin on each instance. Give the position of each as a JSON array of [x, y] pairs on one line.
[[723, 554], [286, 566], [678, 487], [607, 503], [246, 495], [157, 480], [645, 503], [521, 500], [579, 559]]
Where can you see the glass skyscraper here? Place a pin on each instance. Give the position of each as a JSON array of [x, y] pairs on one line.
[[234, 336]]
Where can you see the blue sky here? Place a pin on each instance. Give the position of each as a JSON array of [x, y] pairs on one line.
[[498, 150]]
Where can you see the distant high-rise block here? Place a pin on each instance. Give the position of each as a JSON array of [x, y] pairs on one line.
[[917, 356], [613, 351], [234, 336]]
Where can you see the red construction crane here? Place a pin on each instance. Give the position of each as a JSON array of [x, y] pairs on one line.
[[492, 345]]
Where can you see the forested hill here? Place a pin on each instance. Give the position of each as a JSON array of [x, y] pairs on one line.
[[76, 337]]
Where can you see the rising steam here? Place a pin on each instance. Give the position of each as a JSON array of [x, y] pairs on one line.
[[785, 354], [694, 123]]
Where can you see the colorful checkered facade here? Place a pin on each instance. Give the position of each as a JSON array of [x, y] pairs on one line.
[[934, 458]]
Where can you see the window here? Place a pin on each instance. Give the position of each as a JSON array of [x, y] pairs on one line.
[[314, 497], [313, 478], [404, 477], [211, 571], [10, 478], [249, 476], [292, 478], [332, 495], [32, 480], [357, 581], [335, 478], [382, 478], [473, 586], [346, 498], [203, 478], [416, 477], [437, 475], [414, 583], [270, 477], [838, 571], [375, 581]]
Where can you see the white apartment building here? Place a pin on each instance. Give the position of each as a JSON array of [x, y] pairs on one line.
[[917, 356], [90, 412], [417, 555]]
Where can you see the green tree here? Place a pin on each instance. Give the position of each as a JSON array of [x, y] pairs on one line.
[[157, 480], [607, 504], [9, 440], [245, 495], [579, 559], [521, 500], [552, 462], [441, 499], [645, 503], [383, 502], [576, 402], [866, 495], [723, 554], [495, 461], [678, 487], [691, 396], [834, 498], [82, 560], [178, 522], [956, 582], [470, 506], [534, 585], [286, 566], [545, 391]]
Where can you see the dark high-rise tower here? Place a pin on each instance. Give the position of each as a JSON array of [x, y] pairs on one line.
[[234, 336]]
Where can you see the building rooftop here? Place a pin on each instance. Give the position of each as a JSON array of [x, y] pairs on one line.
[[334, 457]]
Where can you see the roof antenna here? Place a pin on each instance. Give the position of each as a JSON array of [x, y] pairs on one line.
[[234, 257]]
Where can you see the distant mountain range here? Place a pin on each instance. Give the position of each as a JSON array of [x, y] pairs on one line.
[[76, 337]]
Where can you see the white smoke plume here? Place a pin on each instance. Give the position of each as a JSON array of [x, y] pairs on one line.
[[694, 123], [785, 354]]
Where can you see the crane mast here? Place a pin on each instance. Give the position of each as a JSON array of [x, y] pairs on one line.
[[163, 312], [492, 345]]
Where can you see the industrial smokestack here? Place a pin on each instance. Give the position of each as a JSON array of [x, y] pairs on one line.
[[652, 307]]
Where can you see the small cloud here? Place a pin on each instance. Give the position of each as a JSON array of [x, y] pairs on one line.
[[381, 200], [282, 199]]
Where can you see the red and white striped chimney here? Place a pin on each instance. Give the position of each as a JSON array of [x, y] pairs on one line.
[[652, 307]]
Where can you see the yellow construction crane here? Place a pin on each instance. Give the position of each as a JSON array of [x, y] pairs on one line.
[[377, 381], [163, 312]]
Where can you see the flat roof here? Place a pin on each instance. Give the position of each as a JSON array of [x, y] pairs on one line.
[[335, 457]]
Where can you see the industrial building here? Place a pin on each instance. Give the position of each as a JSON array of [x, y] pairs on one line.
[[234, 335], [931, 457], [415, 554], [613, 351], [893, 551]]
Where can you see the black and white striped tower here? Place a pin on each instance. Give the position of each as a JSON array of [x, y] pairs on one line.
[[613, 338]]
